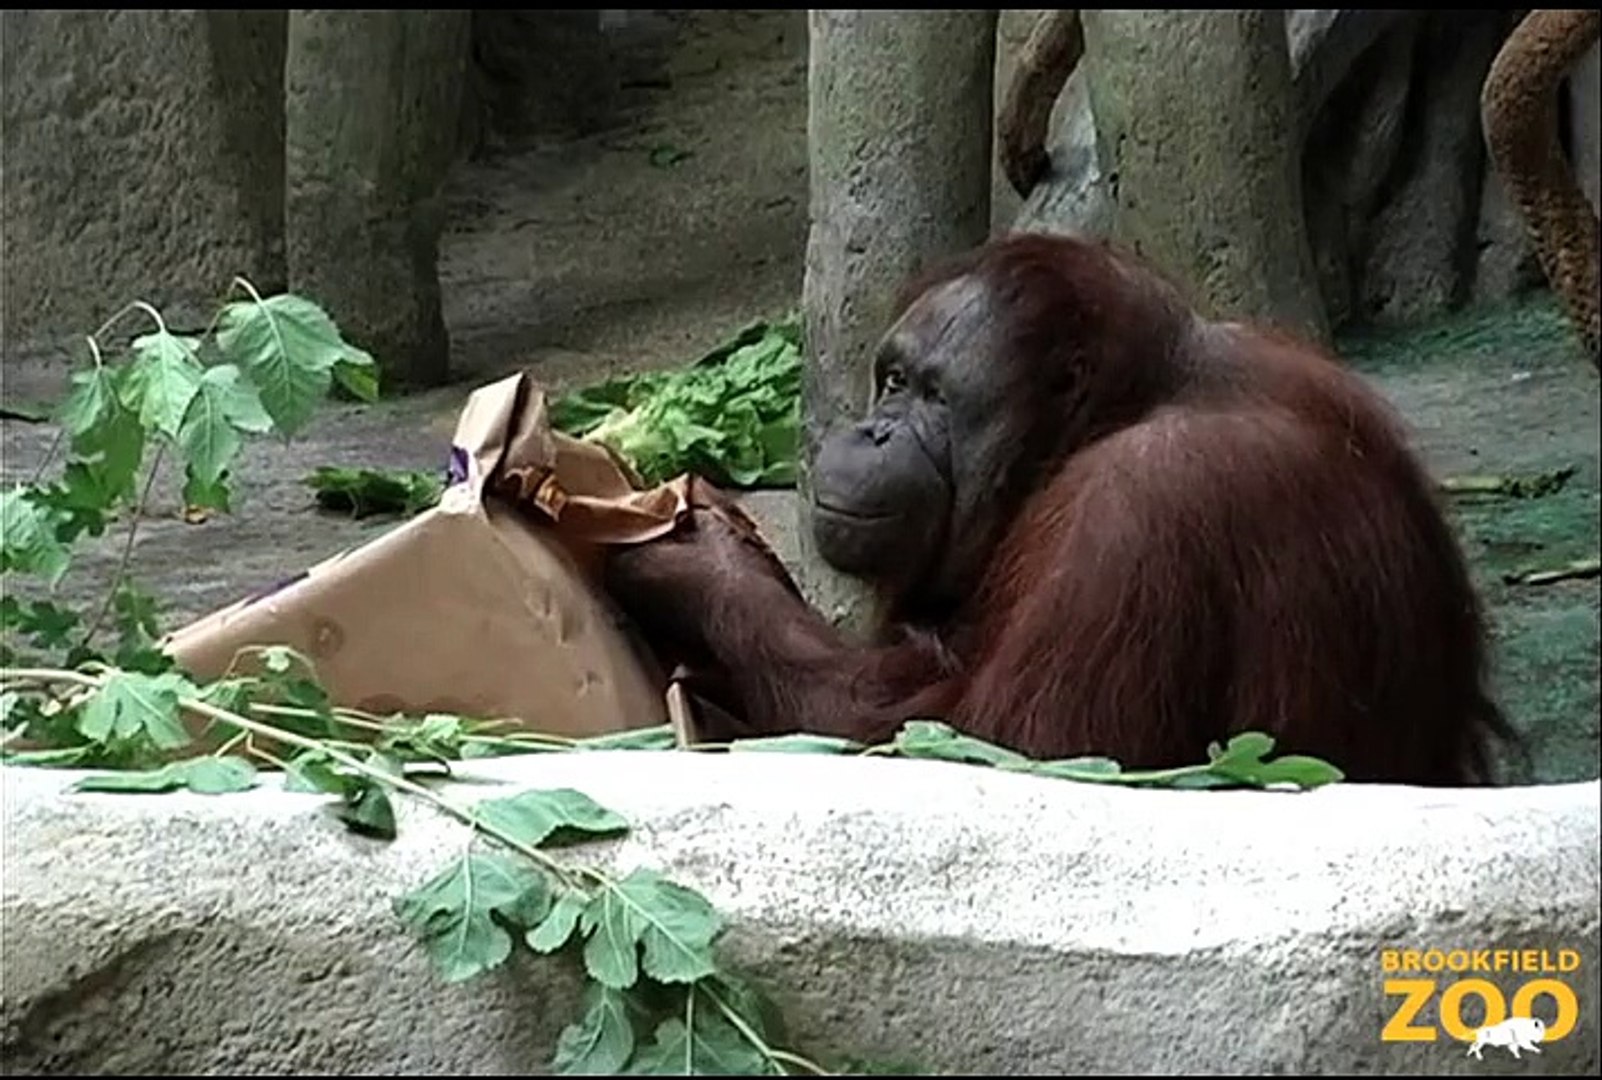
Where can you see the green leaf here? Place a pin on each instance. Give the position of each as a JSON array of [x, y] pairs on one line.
[[138, 613], [218, 775], [679, 926], [143, 659], [209, 443], [659, 737], [798, 744], [47, 625], [204, 776], [357, 374], [602, 1042], [1081, 768], [385, 763], [707, 1046], [162, 380], [222, 407], [90, 402], [1303, 772], [733, 417], [130, 704], [367, 809], [115, 445], [454, 912], [611, 951], [232, 695], [216, 495], [436, 737], [68, 756], [82, 500], [362, 492], [289, 347], [939, 741], [28, 538], [237, 398], [1247, 747], [559, 923], [561, 815], [1189, 781], [674, 925], [313, 771], [1243, 761]]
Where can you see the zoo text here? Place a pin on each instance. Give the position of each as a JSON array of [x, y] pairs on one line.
[[1417, 992]]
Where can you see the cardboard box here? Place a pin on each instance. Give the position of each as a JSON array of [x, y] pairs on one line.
[[485, 605]]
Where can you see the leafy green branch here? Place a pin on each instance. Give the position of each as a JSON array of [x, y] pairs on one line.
[[659, 1002], [259, 368]]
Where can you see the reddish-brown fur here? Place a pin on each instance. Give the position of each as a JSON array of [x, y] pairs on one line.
[[1242, 541]]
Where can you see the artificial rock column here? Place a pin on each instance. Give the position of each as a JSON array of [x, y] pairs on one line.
[[372, 101], [899, 136]]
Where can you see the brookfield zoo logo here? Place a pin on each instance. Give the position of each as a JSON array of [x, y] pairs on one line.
[[1509, 1024]]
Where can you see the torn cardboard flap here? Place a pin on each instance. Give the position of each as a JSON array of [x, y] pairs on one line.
[[487, 605]]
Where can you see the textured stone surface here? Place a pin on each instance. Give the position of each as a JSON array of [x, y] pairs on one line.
[[1505, 264], [373, 99], [1246, 255], [1585, 135], [901, 162], [1324, 46], [141, 158], [1421, 252], [1403, 222], [945, 914]]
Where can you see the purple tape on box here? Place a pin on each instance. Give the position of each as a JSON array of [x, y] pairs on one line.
[[456, 471]]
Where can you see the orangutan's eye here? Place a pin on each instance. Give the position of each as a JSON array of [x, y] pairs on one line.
[[894, 381]]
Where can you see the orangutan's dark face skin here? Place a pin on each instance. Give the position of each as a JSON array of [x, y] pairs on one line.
[[893, 492]]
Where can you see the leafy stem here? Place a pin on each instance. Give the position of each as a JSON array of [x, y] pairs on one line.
[[732, 1015], [116, 317], [11, 676], [621, 897], [126, 557]]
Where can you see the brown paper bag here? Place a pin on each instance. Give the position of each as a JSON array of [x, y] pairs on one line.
[[486, 605]]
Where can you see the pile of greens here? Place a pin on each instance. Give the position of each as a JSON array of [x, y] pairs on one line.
[[734, 416]]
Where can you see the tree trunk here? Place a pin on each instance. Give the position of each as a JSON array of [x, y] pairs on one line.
[[1211, 195], [372, 100], [899, 133]]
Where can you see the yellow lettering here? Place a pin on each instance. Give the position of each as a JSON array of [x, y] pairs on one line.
[[1568, 960], [1452, 1007], [1390, 960], [1410, 960], [1527, 960], [1562, 995], [1400, 1027]]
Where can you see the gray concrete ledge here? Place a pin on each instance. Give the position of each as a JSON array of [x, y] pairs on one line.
[[945, 914]]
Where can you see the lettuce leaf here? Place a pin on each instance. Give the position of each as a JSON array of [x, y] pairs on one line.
[[733, 417]]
